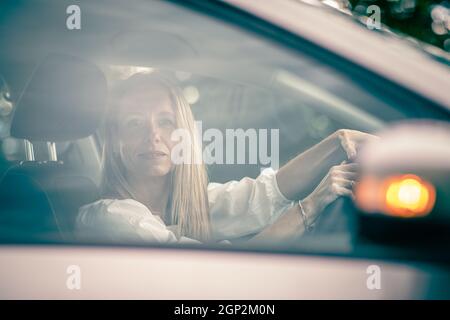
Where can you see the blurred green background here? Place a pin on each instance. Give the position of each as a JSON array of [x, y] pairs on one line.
[[426, 20]]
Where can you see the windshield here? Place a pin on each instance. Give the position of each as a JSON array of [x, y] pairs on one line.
[[146, 122]]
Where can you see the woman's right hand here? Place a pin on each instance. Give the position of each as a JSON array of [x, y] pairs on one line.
[[339, 181], [352, 141]]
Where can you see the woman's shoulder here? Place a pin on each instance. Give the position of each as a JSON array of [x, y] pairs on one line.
[[112, 209], [108, 204], [116, 211], [123, 220]]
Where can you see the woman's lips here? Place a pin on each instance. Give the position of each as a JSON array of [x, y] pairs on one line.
[[153, 155]]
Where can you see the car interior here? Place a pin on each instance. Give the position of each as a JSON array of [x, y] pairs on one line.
[[41, 198], [50, 162]]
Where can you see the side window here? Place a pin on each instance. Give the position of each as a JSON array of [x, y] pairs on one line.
[[257, 103], [239, 80], [301, 113], [233, 78]]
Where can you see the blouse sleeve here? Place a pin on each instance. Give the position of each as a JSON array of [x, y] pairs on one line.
[[123, 221], [240, 208]]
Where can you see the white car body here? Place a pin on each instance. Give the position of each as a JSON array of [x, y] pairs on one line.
[[42, 272]]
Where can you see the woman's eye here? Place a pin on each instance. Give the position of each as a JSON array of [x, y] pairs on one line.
[[134, 123], [166, 123]]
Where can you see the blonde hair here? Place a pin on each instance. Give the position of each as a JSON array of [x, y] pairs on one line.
[[188, 200]]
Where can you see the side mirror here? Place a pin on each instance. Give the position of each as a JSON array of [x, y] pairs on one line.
[[403, 195]]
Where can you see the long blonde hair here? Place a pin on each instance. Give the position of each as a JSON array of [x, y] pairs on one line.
[[188, 200]]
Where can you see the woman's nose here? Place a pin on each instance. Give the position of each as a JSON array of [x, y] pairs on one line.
[[153, 132]]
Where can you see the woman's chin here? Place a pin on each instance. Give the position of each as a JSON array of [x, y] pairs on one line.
[[157, 170]]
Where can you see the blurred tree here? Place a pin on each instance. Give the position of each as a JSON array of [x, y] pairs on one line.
[[426, 20]]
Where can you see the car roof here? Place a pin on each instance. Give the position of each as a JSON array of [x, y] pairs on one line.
[[389, 56]]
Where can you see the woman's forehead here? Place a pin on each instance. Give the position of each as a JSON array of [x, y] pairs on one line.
[[145, 100]]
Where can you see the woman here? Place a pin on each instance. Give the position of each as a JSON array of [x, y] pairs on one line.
[[148, 197]]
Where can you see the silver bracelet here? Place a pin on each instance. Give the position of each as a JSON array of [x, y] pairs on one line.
[[308, 227]]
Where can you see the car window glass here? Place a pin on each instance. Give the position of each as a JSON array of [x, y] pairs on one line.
[[232, 79]]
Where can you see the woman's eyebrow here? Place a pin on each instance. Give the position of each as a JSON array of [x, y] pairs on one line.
[[167, 113]]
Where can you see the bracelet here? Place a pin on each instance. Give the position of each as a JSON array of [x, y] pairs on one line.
[[308, 227]]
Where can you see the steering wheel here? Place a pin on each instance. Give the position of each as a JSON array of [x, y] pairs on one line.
[[336, 219]]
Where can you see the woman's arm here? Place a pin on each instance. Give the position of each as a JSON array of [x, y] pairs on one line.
[[287, 227], [244, 207], [301, 175], [337, 182], [239, 208]]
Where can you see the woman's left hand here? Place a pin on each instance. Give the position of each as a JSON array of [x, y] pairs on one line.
[[352, 140]]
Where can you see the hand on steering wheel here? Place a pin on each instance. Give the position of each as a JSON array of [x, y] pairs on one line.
[[339, 181]]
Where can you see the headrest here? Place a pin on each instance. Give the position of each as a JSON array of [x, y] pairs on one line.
[[65, 99]]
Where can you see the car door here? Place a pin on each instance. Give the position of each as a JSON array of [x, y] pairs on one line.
[[235, 70]]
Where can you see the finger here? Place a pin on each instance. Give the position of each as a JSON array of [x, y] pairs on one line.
[[349, 148], [347, 144], [365, 136], [359, 136], [348, 167], [341, 191], [345, 183], [350, 175]]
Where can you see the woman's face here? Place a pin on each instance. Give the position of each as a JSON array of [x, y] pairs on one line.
[[146, 121]]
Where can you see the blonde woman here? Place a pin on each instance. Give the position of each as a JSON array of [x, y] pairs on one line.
[[146, 197]]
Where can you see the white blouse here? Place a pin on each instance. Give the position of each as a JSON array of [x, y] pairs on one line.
[[237, 208]]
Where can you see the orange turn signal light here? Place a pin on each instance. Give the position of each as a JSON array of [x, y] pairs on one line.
[[407, 196]]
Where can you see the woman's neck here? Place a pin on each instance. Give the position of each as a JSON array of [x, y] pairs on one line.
[[153, 192]]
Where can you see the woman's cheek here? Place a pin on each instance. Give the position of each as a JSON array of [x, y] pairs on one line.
[[127, 154]]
